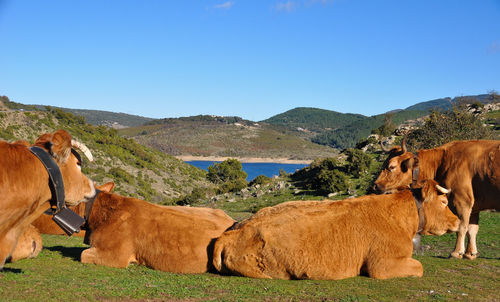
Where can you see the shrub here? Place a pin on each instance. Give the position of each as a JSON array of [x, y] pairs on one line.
[[228, 170], [329, 181], [358, 162], [197, 195], [441, 128], [260, 180], [232, 186], [325, 175]]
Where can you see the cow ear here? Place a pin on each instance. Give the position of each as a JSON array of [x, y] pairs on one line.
[[407, 164], [429, 191], [107, 187], [60, 147]]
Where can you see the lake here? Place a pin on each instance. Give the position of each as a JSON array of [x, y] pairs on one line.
[[254, 169]]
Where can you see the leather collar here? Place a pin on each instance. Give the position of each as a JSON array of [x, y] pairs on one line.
[[415, 173], [88, 208], [420, 209], [56, 183]]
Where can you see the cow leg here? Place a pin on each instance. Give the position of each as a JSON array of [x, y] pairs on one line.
[[395, 267], [463, 202], [7, 245], [471, 253], [100, 257]]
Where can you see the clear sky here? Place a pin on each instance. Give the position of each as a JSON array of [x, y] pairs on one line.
[[248, 58]]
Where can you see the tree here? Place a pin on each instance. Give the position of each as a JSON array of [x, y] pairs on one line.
[[228, 175], [387, 128]]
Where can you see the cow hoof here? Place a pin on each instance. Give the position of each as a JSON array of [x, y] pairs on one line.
[[456, 255], [470, 256]]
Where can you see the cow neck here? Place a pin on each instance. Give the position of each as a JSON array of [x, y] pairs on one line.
[[56, 183], [428, 163], [417, 197]]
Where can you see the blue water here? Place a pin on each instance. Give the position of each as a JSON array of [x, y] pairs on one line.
[[255, 169]]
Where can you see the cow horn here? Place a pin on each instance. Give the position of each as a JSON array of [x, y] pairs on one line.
[[83, 148], [403, 143], [442, 190], [384, 148]]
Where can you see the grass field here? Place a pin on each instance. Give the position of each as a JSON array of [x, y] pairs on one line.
[[57, 275]]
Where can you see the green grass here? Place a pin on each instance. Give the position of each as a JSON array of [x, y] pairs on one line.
[[57, 275]]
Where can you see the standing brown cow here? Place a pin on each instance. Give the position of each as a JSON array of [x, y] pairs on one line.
[[471, 169], [336, 239], [24, 183], [123, 230]]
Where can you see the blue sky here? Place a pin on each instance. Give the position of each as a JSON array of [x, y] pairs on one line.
[[248, 58]]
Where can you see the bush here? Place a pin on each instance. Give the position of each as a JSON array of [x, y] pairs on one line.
[[441, 128], [232, 186], [329, 181], [358, 162], [325, 175], [197, 195], [260, 180], [228, 175], [228, 170]]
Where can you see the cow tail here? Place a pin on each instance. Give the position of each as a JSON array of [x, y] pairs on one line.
[[218, 250]]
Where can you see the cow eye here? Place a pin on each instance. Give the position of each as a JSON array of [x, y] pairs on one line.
[[392, 168]]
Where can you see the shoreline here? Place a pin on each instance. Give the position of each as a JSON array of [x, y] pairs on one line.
[[244, 159]]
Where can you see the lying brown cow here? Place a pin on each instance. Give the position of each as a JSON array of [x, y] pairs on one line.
[[335, 239], [28, 245], [123, 230], [24, 183], [471, 169]]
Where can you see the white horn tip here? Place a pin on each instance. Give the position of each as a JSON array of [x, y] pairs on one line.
[[443, 190]]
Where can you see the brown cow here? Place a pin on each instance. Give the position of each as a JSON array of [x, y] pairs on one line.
[[24, 183], [123, 230], [28, 245], [471, 169], [46, 225], [335, 239]]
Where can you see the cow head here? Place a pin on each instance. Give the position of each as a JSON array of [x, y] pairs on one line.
[[77, 187], [396, 171], [438, 217]]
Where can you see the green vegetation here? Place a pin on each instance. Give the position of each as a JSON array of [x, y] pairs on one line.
[[147, 173], [314, 119], [444, 127], [57, 275], [224, 137], [228, 175], [349, 135], [138, 171]]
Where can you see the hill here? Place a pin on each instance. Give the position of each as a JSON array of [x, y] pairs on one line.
[[207, 135], [93, 117], [137, 170], [344, 130], [314, 119]]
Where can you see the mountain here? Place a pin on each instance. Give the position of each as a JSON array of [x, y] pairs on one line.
[[447, 103], [93, 117], [207, 135], [110, 119], [314, 119], [344, 130]]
